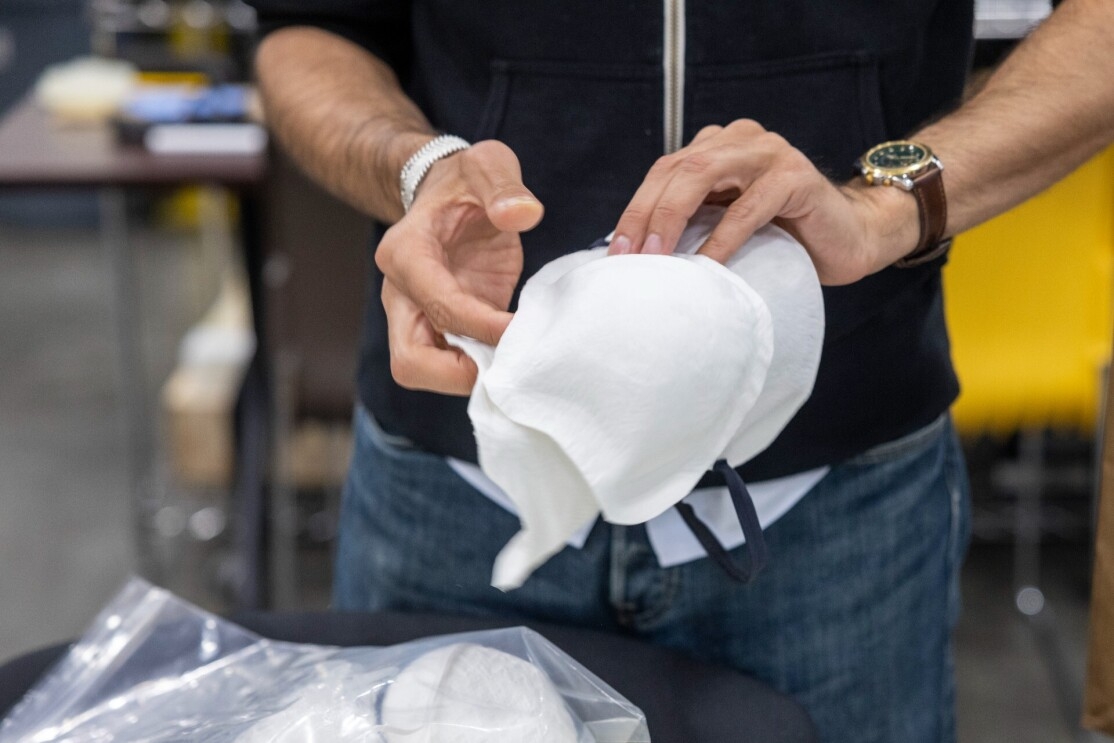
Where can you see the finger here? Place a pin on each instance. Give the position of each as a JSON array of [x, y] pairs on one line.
[[763, 200], [630, 232], [449, 371], [698, 174], [447, 305], [497, 176], [418, 359], [706, 133], [636, 232]]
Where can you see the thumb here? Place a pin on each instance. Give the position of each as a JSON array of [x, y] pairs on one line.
[[510, 206], [514, 210]]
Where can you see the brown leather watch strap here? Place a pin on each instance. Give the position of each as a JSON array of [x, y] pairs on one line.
[[932, 208]]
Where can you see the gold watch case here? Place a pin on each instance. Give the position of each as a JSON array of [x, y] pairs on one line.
[[896, 163]]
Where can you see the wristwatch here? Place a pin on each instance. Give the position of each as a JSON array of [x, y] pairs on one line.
[[415, 168], [912, 166]]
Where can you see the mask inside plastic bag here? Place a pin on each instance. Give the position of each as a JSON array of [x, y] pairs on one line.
[[155, 668]]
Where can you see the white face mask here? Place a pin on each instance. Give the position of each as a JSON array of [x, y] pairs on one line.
[[621, 380], [460, 693], [465, 693]]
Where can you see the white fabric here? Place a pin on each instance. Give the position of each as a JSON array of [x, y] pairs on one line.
[[475, 477], [673, 542], [621, 380], [466, 693]]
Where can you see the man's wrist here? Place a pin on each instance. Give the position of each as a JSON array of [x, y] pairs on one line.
[[892, 221], [415, 169], [387, 155]]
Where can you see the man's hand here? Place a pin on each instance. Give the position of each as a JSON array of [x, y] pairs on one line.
[[451, 265], [850, 232]]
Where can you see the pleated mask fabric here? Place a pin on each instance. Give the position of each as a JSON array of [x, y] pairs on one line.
[[622, 379], [467, 693]]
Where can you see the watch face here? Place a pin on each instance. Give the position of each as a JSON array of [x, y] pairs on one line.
[[898, 157]]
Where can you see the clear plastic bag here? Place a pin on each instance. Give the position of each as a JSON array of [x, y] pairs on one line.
[[155, 668]]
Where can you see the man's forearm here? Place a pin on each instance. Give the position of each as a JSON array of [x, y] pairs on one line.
[[1048, 108], [339, 111]]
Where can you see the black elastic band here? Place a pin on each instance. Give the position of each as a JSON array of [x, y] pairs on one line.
[[757, 554]]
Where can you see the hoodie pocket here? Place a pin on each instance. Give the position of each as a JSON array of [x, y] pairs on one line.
[[828, 106], [585, 133]]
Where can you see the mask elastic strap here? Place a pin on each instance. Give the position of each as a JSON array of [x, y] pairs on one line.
[[757, 554]]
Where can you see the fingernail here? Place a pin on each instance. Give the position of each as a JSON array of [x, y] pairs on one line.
[[620, 245], [511, 201], [653, 244]]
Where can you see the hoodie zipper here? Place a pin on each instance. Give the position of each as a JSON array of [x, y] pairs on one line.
[[673, 65]]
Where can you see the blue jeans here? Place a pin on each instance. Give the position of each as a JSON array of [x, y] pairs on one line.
[[852, 616]]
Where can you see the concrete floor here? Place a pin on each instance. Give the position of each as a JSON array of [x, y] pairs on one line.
[[64, 516], [66, 526]]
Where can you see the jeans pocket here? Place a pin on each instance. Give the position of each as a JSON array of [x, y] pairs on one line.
[[959, 489], [908, 445], [389, 444]]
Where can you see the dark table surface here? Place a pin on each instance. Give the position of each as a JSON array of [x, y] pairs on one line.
[[36, 151], [684, 701]]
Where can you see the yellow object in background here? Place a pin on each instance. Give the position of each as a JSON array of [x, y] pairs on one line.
[[1029, 304], [173, 79]]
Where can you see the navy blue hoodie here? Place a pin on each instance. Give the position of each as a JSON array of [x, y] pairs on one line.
[[577, 88]]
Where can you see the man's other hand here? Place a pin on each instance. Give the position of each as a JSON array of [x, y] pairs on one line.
[[451, 265], [849, 232]]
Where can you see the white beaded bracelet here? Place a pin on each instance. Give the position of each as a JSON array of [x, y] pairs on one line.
[[421, 161]]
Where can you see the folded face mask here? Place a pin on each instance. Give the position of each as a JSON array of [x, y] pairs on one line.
[[622, 379], [459, 693], [465, 693]]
